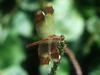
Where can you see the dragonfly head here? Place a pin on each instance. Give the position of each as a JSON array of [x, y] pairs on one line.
[[48, 10]]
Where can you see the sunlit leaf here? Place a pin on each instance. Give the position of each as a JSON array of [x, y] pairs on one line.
[[21, 25]]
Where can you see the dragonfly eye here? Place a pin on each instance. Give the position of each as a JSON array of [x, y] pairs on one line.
[[40, 17]]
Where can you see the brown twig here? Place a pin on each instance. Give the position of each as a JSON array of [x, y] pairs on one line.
[[74, 61]]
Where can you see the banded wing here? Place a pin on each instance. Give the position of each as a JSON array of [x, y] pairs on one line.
[[45, 22], [54, 51], [43, 52], [48, 50]]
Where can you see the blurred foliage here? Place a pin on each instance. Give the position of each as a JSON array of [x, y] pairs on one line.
[[77, 20]]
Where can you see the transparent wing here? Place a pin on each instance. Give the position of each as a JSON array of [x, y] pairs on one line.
[[45, 23], [54, 51], [43, 52]]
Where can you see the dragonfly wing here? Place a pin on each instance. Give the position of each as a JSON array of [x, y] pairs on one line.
[[43, 53], [54, 51]]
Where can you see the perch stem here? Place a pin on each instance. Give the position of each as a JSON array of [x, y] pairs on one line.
[[74, 61]]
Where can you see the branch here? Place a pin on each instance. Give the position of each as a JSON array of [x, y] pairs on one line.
[[74, 61]]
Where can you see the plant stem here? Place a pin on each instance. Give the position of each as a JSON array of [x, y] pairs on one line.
[[74, 61]]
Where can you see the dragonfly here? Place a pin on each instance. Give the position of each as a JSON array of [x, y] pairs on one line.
[[50, 48], [44, 22]]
